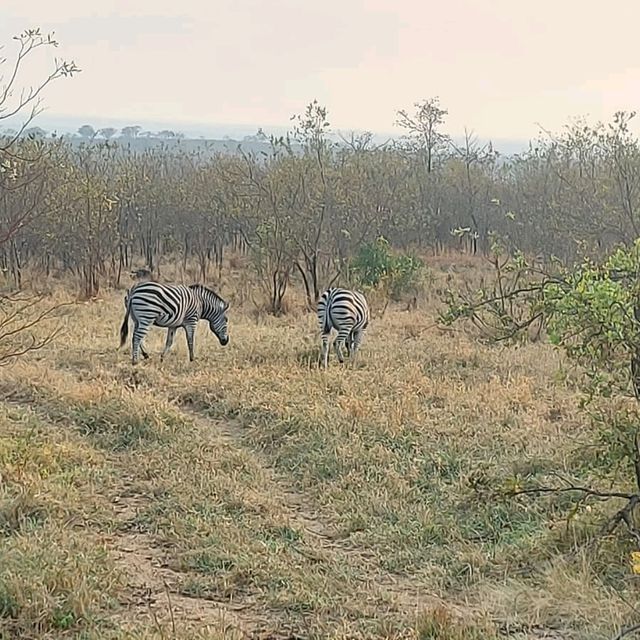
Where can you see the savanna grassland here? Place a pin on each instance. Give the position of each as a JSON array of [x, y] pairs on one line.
[[251, 494]]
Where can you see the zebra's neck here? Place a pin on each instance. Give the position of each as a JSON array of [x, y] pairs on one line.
[[210, 305]]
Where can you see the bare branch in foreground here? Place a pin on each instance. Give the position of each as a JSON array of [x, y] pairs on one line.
[[623, 515], [20, 316], [627, 632]]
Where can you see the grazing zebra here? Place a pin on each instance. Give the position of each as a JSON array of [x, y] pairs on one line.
[[172, 306], [348, 313]]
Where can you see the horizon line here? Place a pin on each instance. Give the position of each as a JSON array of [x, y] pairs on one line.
[[199, 127]]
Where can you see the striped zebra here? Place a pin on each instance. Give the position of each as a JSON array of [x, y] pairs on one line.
[[348, 313], [172, 306]]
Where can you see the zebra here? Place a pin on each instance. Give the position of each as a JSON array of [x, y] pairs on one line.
[[172, 306], [348, 313]]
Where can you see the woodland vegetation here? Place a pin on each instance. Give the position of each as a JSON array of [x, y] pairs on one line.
[[302, 211], [558, 225]]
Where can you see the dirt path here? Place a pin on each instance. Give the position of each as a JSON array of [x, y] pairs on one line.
[[154, 588], [401, 592], [153, 592]]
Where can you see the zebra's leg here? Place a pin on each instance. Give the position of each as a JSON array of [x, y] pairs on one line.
[[325, 349], [343, 337], [336, 348], [190, 329], [139, 332], [356, 338], [348, 345], [171, 332]]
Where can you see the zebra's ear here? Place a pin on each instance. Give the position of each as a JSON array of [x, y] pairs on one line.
[[226, 306]]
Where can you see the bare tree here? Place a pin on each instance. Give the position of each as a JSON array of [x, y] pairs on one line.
[[475, 163], [24, 188], [423, 128], [27, 102]]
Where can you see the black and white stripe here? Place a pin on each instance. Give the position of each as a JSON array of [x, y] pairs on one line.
[[348, 313], [172, 306]]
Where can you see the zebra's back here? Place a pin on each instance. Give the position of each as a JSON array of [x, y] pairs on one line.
[[168, 305]]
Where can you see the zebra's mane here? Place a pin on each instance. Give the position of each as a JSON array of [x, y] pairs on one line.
[[203, 289]]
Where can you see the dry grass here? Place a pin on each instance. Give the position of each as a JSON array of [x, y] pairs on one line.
[[250, 494]]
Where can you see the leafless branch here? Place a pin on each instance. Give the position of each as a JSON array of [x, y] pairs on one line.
[[627, 632], [623, 515], [18, 320], [34, 345], [29, 41]]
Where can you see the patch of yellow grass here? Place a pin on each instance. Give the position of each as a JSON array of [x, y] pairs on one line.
[[334, 504]]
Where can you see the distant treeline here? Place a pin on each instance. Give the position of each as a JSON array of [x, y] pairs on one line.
[[299, 207], [136, 139]]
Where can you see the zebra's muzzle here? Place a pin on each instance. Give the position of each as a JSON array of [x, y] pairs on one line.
[[224, 341]]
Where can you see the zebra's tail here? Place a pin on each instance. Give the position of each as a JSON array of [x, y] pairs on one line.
[[124, 329]]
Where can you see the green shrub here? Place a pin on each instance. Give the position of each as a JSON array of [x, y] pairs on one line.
[[375, 266]]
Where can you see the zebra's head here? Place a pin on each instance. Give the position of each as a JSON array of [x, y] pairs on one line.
[[218, 323], [214, 309]]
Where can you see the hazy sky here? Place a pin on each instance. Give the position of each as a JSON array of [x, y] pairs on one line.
[[499, 66]]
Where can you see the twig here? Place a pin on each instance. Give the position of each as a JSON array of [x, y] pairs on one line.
[[433, 325], [173, 622], [625, 514], [627, 632], [154, 617], [588, 492]]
